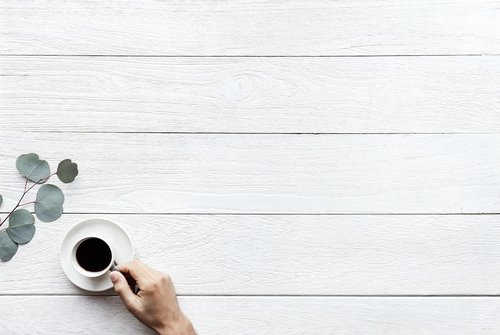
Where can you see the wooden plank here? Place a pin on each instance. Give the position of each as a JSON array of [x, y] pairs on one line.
[[263, 95], [162, 173], [293, 27], [291, 255], [248, 315]]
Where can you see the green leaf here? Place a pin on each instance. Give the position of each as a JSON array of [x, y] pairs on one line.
[[8, 248], [67, 171], [48, 204], [1, 199], [33, 168], [21, 226]]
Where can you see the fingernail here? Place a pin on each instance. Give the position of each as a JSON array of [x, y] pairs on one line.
[[114, 276]]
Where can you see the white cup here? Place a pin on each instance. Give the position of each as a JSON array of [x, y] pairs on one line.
[[82, 271]]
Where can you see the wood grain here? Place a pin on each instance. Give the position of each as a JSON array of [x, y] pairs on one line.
[[251, 95], [293, 27], [162, 173], [112, 84], [243, 315], [289, 255]]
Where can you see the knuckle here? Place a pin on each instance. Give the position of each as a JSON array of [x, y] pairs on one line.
[[165, 279], [157, 285], [150, 287]]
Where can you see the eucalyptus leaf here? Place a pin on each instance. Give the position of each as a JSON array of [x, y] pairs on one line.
[[8, 248], [1, 199], [32, 167], [48, 203], [67, 171], [21, 226]]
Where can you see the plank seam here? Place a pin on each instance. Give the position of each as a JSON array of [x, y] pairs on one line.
[[251, 56], [255, 133]]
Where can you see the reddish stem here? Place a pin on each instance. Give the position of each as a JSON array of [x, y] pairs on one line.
[[26, 184], [27, 203], [41, 181]]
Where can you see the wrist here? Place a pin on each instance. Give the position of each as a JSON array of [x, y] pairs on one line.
[[180, 326]]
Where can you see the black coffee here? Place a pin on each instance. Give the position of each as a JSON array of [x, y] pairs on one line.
[[93, 254]]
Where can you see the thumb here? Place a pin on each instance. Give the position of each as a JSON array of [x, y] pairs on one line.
[[123, 290]]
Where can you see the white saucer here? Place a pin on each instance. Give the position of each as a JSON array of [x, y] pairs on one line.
[[116, 236]]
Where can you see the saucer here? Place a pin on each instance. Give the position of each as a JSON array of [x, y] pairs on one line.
[[119, 241]]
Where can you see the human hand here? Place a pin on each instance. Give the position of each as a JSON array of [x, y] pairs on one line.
[[155, 305]]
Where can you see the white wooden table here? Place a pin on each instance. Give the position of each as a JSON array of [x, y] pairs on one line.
[[298, 167]]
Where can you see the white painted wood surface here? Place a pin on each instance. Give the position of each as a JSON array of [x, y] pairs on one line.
[[288, 255], [184, 117], [292, 27], [251, 95], [262, 315], [205, 173]]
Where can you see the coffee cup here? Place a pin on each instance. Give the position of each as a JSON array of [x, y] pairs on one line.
[[92, 256]]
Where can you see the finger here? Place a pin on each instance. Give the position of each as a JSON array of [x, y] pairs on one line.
[[135, 268], [139, 271], [123, 290]]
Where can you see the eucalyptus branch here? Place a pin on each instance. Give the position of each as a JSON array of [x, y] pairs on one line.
[[41, 181], [48, 203], [27, 203]]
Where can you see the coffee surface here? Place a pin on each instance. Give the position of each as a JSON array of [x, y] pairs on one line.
[[93, 254]]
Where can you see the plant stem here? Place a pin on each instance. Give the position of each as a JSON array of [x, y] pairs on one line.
[[18, 203], [41, 181], [25, 184], [27, 203]]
